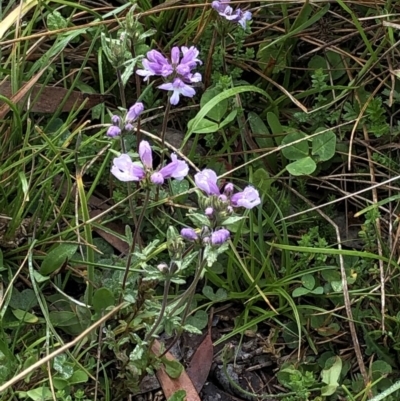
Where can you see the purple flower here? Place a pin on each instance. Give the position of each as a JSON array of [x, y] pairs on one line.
[[178, 71], [177, 169], [206, 180], [248, 198], [220, 236], [113, 131], [134, 112], [189, 234], [115, 120], [225, 10], [128, 127], [125, 170], [179, 88], [145, 154], [155, 64], [245, 16], [228, 189]]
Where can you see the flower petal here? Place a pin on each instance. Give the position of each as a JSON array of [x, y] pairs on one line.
[[145, 154], [206, 180]]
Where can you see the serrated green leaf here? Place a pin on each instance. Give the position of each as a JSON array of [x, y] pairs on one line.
[[304, 166]]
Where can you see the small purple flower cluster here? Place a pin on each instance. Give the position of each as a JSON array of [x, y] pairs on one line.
[[117, 125], [126, 170], [207, 180], [219, 206], [177, 71], [225, 10]]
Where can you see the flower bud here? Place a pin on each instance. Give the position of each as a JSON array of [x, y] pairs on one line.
[[220, 236], [209, 212], [228, 190], [113, 131], [115, 120], [163, 267], [135, 111], [189, 234]]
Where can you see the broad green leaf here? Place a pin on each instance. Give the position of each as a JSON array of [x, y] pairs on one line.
[[263, 138], [179, 395], [193, 124], [102, 299], [298, 150], [330, 377], [262, 180], [24, 300], [324, 145], [381, 367], [61, 365], [228, 119], [199, 220], [205, 126], [24, 316], [40, 394], [317, 291], [308, 281], [216, 113], [56, 257], [276, 127], [63, 318], [232, 220], [179, 187], [302, 167], [79, 376], [317, 62], [198, 320], [208, 292], [337, 286], [173, 368], [191, 329], [337, 67], [300, 291]]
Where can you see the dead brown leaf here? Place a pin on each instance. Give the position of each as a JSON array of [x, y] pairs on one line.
[[48, 100], [200, 364], [169, 385]]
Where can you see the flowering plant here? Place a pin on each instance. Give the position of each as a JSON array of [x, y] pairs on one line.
[[225, 10], [177, 71], [126, 170]]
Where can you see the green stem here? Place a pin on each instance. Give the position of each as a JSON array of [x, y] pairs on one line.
[[134, 240], [121, 88], [164, 126]]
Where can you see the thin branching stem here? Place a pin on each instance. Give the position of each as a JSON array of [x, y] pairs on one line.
[[135, 239]]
